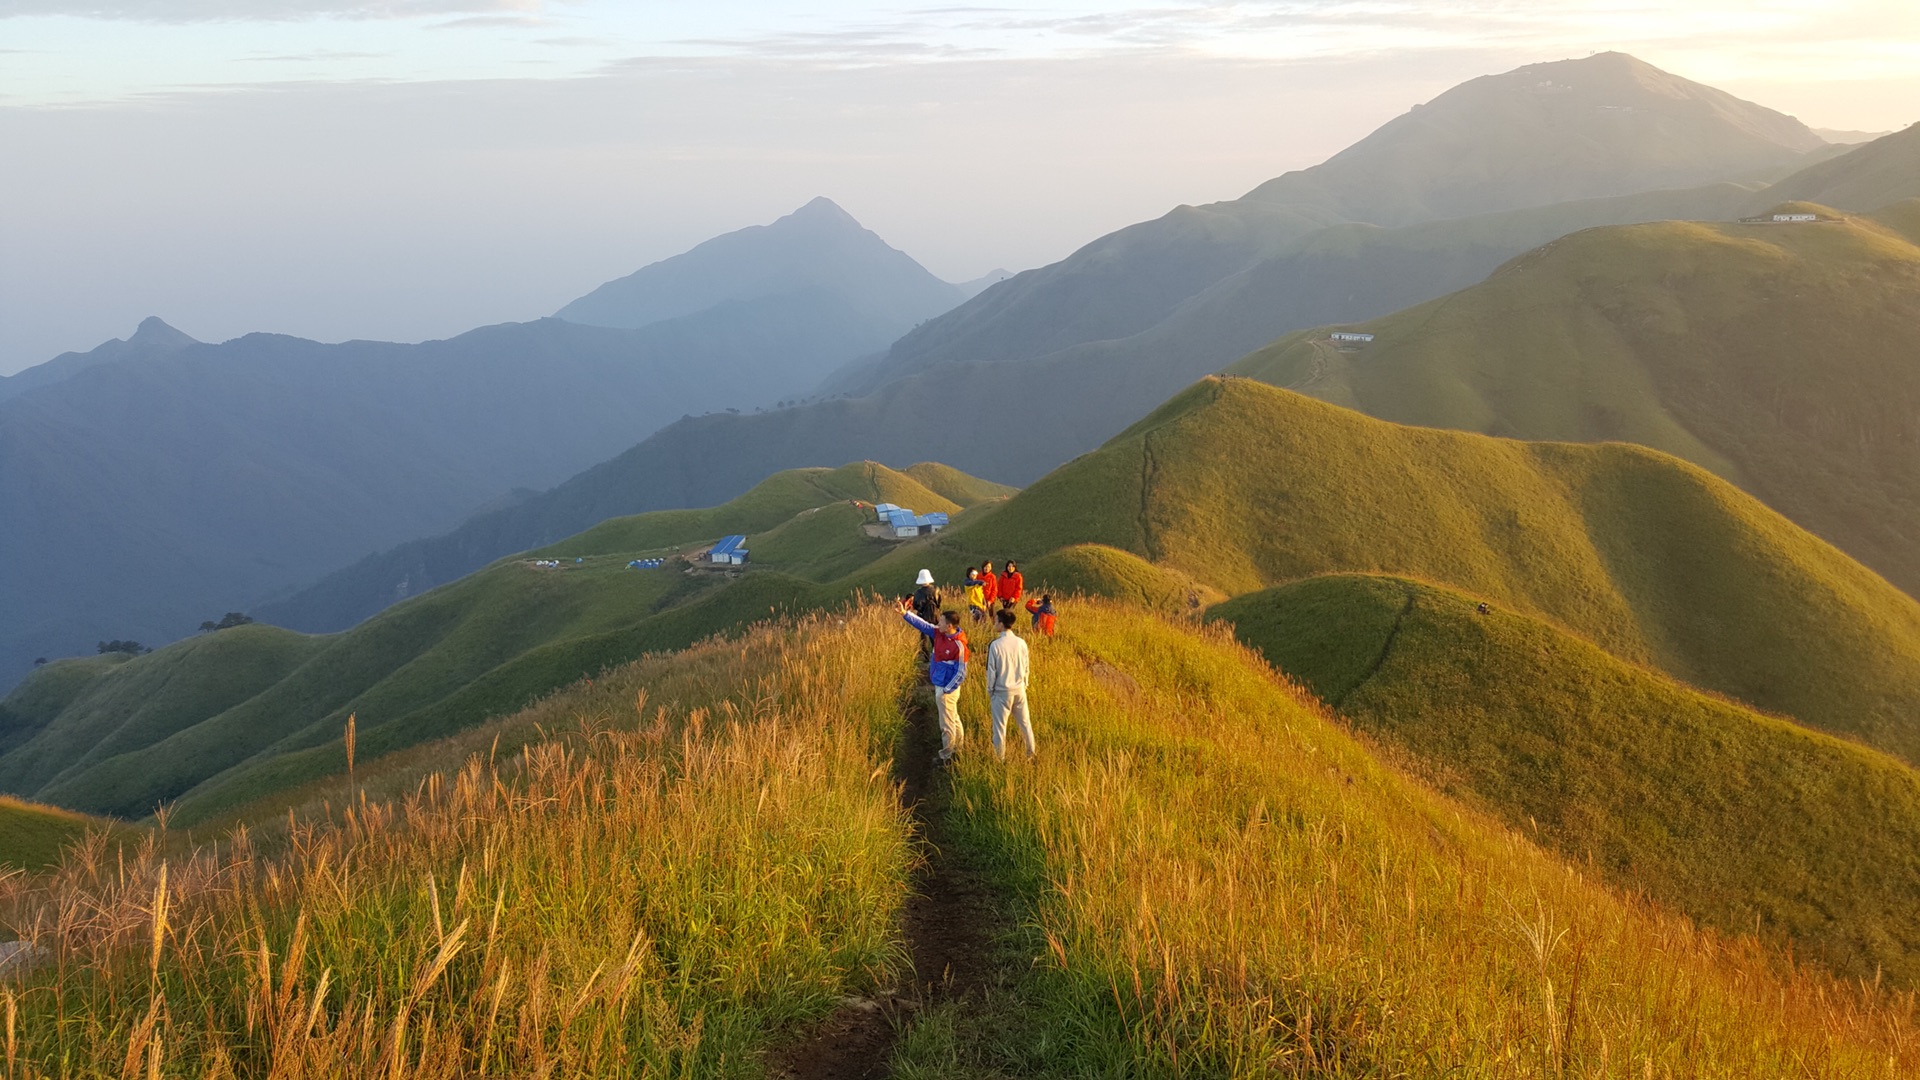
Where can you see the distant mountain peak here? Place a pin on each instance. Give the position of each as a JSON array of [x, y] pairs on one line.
[[154, 331], [817, 248], [1597, 126], [822, 211]]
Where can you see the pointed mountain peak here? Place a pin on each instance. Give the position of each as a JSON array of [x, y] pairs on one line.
[[822, 211], [154, 331]]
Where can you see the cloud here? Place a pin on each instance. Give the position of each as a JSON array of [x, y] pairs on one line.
[[196, 11]]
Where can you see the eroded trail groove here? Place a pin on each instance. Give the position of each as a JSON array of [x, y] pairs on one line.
[[947, 923]]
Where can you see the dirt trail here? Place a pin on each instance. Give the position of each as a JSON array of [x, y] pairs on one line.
[[947, 924]]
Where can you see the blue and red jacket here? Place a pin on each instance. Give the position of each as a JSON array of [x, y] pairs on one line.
[[949, 667]]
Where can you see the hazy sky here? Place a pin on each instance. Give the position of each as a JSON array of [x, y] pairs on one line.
[[412, 168]]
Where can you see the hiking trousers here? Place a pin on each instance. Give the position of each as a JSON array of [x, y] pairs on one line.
[[946, 706], [1012, 703]]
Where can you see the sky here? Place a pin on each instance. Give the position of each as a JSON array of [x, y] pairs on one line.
[[408, 169]]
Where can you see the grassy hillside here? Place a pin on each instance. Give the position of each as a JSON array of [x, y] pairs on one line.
[[662, 874], [32, 836], [1743, 821], [143, 700], [682, 866], [1205, 876], [230, 717], [1239, 486], [1777, 356]]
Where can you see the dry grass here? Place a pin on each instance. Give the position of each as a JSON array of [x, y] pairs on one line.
[[1223, 882], [712, 854]]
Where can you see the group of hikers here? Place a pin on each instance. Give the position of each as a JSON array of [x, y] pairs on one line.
[[945, 650]]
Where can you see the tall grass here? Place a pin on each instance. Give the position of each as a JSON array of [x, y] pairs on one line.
[[1221, 881], [708, 854]]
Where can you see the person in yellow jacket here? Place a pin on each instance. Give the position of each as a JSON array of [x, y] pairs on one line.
[[976, 594]]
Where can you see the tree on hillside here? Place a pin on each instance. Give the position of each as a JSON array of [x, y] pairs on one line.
[[131, 648], [230, 619]]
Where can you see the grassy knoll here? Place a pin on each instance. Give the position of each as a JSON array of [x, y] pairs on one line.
[[770, 503], [1240, 486], [658, 874], [148, 698], [32, 836], [1213, 878], [1778, 356], [228, 718], [34, 704], [1741, 820]]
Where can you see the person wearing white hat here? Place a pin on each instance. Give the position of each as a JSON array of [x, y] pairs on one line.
[[926, 604]]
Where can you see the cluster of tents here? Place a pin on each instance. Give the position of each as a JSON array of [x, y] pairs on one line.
[[646, 564]]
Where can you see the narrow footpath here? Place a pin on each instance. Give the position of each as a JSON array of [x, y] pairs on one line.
[[947, 922]]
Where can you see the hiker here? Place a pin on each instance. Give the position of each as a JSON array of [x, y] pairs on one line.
[[1042, 610], [946, 674], [1011, 585], [926, 604], [989, 586], [1007, 669], [976, 594]]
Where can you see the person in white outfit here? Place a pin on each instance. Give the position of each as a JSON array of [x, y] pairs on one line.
[[1007, 671]]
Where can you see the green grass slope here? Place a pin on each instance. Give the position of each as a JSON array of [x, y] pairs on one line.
[[1239, 486], [142, 700], [1779, 356], [33, 836], [1204, 875], [40, 697], [230, 717], [1741, 820]]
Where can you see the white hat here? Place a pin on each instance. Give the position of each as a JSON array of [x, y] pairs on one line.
[[925, 578]]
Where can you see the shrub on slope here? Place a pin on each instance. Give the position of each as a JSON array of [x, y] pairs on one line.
[[626, 889], [1211, 878], [1741, 820], [1240, 486], [1779, 356]]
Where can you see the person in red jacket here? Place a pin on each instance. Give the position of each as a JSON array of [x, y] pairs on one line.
[[989, 585], [1011, 584], [1042, 610]]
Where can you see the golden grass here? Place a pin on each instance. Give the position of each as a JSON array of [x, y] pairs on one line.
[[1223, 882], [711, 854]]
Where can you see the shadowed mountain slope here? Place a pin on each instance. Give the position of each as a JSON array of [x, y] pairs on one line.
[[1738, 819], [1882, 172], [1780, 356]]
